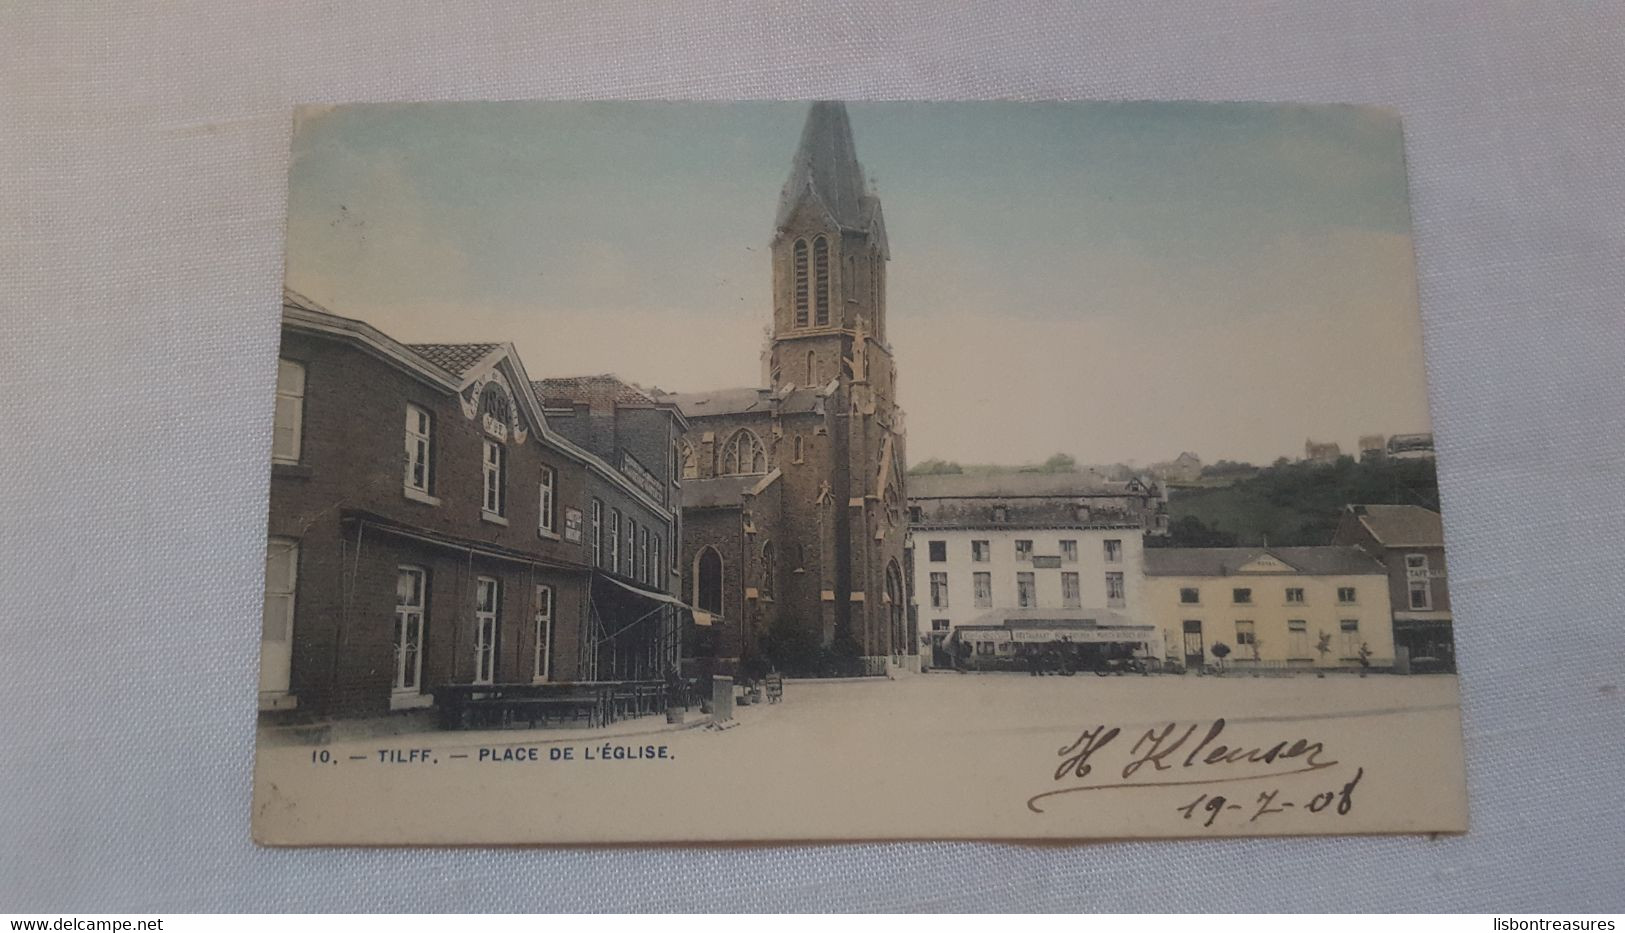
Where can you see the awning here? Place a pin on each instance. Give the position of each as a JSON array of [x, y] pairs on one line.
[[1435, 616], [1102, 634], [651, 594]]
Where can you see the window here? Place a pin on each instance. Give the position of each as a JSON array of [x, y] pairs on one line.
[[288, 425], [492, 471], [939, 625], [1024, 550], [1000, 513], [614, 563], [643, 554], [744, 454], [983, 582], [915, 514], [1417, 580], [690, 464], [629, 554], [494, 408], [411, 591], [1071, 597], [767, 569], [597, 533], [545, 511], [657, 570], [1114, 550], [708, 581], [821, 281], [938, 550], [487, 603], [984, 647], [1026, 591], [799, 277], [1245, 636], [1345, 594], [1241, 595], [799, 449], [1294, 594], [543, 618], [1190, 595], [1115, 596], [1069, 551], [418, 433], [812, 368], [276, 634], [981, 551], [939, 591]]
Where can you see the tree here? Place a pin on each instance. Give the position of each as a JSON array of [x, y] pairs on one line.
[[1060, 463], [1221, 651], [935, 467]]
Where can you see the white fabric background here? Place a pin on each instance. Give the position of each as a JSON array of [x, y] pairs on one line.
[[143, 150]]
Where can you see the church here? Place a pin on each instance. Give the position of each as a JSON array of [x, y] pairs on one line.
[[793, 500]]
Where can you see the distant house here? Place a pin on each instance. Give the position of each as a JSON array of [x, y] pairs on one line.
[[1373, 448], [1409, 540], [1316, 452], [1185, 468], [1410, 447]]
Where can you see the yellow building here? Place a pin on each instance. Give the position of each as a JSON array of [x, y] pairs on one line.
[[1275, 608]]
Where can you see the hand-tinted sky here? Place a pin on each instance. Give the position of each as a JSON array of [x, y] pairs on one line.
[[1116, 281]]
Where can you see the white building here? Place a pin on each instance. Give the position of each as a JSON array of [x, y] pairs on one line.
[[989, 551]]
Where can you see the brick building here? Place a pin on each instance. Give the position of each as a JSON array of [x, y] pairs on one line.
[[1409, 541], [793, 492], [429, 527]]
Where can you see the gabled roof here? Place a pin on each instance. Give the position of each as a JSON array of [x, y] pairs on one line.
[[300, 312], [1014, 485], [1402, 525], [455, 358], [720, 402], [604, 389], [1331, 560]]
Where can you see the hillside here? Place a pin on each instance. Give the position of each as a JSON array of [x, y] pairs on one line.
[[1292, 504]]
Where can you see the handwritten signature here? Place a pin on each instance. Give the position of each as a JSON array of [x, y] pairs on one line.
[[1172, 755]]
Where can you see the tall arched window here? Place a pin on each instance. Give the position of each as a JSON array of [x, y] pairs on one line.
[[767, 569], [812, 366], [690, 465], [744, 453], [799, 276], [821, 280], [708, 580]]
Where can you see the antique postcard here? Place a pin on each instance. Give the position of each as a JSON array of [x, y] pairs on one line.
[[669, 472]]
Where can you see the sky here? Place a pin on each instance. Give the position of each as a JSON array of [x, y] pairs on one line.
[[1117, 281]]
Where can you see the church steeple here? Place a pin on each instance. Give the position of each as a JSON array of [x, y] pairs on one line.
[[829, 246], [826, 169]]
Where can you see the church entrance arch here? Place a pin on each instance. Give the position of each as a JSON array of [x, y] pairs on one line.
[[896, 609]]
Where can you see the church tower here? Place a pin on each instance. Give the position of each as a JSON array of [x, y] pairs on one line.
[[829, 255]]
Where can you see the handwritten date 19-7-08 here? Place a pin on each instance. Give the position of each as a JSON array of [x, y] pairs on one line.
[[1271, 801]]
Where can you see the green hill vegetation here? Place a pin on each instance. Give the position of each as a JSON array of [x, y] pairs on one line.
[[1290, 504]]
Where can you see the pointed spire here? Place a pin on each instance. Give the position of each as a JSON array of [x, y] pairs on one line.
[[826, 168]]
